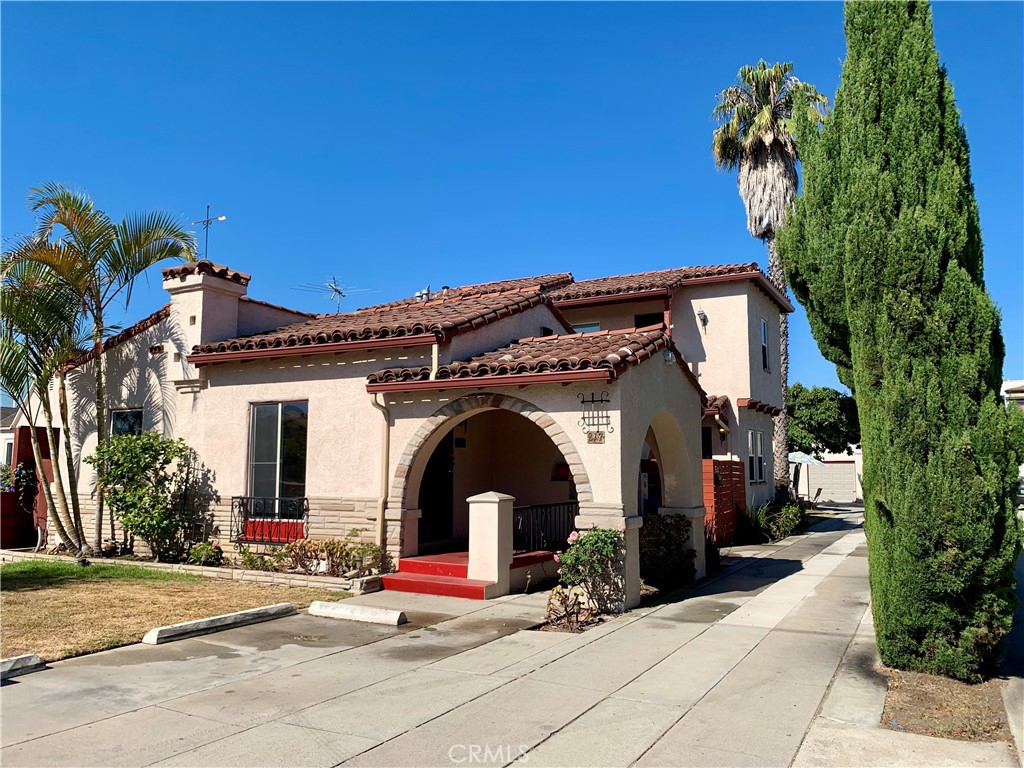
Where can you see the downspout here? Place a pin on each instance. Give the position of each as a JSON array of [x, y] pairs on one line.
[[385, 460], [433, 360]]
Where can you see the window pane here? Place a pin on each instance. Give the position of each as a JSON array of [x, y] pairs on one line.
[[263, 480], [126, 422], [294, 425], [264, 433], [586, 327]]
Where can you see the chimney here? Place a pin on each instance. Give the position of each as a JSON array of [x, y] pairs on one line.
[[205, 298]]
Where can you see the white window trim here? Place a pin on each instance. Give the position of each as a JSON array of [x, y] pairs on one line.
[[755, 456], [765, 357]]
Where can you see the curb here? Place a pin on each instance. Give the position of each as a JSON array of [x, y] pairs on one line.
[[20, 665], [188, 629], [354, 612]]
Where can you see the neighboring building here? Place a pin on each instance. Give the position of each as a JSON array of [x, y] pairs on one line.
[[838, 481], [1013, 393], [7, 417], [404, 419]]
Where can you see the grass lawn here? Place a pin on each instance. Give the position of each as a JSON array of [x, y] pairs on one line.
[[58, 609]]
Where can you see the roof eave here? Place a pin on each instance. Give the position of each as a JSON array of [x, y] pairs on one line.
[[506, 380], [200, 359], [611, 298]]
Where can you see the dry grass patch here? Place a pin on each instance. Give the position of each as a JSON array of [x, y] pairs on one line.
[[58, 610], [937, 706]]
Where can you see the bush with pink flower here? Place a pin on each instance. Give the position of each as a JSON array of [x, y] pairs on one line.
[[594, 562]]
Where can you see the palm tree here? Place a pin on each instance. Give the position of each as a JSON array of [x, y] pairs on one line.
[[41, 331], [99, 260], [755, 134]]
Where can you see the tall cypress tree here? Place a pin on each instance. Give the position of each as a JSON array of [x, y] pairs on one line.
[[884, 251]]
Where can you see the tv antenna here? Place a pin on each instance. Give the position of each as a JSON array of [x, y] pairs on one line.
[[206, 225], [333, 290]]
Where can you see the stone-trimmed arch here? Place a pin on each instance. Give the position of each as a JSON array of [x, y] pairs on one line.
[[460, 410]]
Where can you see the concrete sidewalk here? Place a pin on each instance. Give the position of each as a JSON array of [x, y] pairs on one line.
[[735, 674]]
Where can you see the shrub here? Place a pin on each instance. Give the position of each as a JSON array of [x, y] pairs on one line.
[[594, 561], [666, 552], [336, 557], [157, 489], [206, 553]]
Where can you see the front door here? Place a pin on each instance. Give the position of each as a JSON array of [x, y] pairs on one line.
[[437, 495]]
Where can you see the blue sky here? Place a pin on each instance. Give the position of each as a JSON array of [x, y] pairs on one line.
[[400, 145]]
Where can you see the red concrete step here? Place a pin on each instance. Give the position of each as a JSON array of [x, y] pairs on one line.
[[425, 584], [451, 564]]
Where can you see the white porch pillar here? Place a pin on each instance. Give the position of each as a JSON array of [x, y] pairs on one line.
[[490, 540], [696, 518]]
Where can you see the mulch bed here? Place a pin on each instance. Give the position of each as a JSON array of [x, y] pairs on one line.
[[937, 706]]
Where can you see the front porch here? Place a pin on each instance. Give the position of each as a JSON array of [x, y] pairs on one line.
[[448, 574]]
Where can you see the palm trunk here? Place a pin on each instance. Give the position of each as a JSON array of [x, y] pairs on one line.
[[51, 507], [780, 441], [101, 424], [61, 507], [69, 458]]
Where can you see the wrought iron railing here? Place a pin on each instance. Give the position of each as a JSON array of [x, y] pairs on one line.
[[543, 527], [268, 520]]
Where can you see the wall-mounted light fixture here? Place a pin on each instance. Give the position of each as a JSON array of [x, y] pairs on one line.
[[702, 316]]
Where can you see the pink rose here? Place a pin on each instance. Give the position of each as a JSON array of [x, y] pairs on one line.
[[573, 537]]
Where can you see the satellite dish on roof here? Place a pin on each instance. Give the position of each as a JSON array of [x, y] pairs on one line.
[[333, 290]]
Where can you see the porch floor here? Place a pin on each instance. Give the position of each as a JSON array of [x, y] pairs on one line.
[[447, 574]]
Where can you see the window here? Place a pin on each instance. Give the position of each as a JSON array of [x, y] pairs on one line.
[[764, 345], [277, 450], [126, 422], [586, 327], [755, 456], [648, 319], [8, 452]]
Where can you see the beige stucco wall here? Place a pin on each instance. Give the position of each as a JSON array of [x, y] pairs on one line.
[[765, 386], [757, 493], [613, 316], [500, 334], [254, 317]]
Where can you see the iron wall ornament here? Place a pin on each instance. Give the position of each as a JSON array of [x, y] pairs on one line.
[[595, 417]]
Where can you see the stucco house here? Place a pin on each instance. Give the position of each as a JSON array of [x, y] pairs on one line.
[[468, 430]]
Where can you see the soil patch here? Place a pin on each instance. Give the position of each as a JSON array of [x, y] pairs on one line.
[[937, 706], [58, 612]]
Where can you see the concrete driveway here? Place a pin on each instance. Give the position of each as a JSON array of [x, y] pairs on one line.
[[733, 675]]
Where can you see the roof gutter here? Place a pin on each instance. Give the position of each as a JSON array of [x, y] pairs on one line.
[[200, 359], [509, 380]]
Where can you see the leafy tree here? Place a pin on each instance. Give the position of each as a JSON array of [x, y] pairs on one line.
[[884, 251], [157, 489], [821, 419], [755, 135], [99, 259]]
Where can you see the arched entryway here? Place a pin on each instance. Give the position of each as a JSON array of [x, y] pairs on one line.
[[665, 490], [485, 443]]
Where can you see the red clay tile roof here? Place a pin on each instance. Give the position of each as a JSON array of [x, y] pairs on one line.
[[614, 351], [1017, 390], [664, 280], [206, 267], [515, 285], [131, 331], [444, 318], [717, 404], [538, 283]]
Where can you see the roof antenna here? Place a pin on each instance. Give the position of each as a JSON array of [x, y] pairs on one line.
[[206, 225], [333, 290]]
